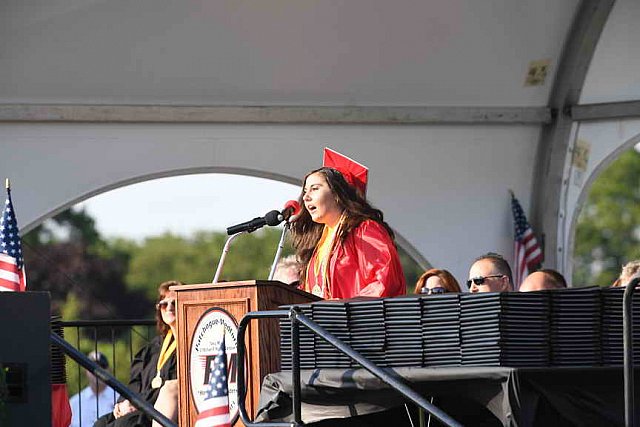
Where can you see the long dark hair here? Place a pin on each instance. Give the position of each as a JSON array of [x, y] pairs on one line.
[[163, 290], [306, 233]]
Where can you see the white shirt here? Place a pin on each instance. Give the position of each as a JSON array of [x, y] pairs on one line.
[[87, 401]]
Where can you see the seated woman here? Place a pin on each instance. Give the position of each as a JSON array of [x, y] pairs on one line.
[[436, 281], [345, 247], [152, 367], [628, 271]]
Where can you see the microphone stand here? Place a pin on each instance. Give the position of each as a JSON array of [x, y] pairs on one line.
[[225, 251], [279, 251]]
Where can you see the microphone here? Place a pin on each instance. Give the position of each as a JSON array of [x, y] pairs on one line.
[[290, 213], [271, 218], [291, 210]]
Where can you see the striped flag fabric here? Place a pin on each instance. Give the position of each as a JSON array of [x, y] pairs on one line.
[[12, 275], [215, 408], [527, 252]]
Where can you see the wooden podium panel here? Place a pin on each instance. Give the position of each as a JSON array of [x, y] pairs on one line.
[[262, 340]]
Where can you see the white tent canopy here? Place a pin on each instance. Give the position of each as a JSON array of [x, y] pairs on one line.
[[432, 96]]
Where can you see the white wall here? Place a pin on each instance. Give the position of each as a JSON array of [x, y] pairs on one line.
[[443, 188]]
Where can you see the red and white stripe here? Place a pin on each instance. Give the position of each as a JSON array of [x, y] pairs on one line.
[[215, 413], [12, 279], [526, 253]]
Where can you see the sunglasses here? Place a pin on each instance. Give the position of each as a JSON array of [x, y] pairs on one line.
[[164, 304], [481, 279], [434, 291]]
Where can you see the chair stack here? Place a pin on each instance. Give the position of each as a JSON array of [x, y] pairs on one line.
[[334, 317], [403, 331], [504, 329], [568, 327], [367, 327], [58, 360], [307, 340], [612, 337], [440, 330], [575, 327]]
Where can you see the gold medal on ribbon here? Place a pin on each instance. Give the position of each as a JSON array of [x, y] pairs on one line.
[[317, 291], [168, 348], [156, 382]]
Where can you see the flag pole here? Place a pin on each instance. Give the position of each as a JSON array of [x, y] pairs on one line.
[[7, 184]]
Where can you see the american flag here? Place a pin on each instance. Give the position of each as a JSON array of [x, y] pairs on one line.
[[215, 408], [12, 276], [527, 251]]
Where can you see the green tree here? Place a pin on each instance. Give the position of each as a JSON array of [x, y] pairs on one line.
[[194, 259], [67, 254], [608, 230]]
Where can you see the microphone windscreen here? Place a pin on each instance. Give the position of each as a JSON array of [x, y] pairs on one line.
[[273, 218], [294, 206]]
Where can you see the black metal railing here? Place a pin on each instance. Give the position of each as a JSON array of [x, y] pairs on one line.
[[99, 335], [297, 317], [627, 318], [106, 377], [99, 332]]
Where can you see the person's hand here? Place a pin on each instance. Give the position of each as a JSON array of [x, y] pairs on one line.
[[123, 408]]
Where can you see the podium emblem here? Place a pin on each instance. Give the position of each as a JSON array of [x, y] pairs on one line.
[[205, 345]]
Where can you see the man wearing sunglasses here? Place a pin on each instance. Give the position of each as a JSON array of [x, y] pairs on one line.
[[490, 273]]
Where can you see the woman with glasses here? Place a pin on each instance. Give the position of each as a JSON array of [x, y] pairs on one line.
[[343, 244], [152, 367], [434, 282]]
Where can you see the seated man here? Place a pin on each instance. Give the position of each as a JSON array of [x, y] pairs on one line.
[[543, 280], [94, 400], [490, 273], [288, 270]]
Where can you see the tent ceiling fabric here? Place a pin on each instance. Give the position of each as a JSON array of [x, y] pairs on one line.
[[454, 69], [274, 52], [613, 73]]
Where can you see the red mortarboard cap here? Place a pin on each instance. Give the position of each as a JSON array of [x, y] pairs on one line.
[[354, 173]]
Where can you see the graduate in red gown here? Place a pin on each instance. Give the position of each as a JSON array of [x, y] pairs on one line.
[[343, 243]]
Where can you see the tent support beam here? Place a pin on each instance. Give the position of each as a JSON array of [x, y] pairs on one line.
[[605, 111], [272, 114], [580, 45]]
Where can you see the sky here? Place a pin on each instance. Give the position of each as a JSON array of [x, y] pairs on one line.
[[184, 204]]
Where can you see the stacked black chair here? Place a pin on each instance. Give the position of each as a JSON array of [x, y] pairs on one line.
[[612, 328], [575, 327], [567, 327], [333, 316], [504, 329], [307, 340], [440, 330], [403, 331], [367, 328], [58, 360]]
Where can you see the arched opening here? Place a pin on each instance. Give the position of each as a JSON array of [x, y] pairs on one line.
[[605, 231], [136, 235]]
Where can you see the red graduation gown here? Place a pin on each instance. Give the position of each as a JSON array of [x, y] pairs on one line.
[[365, 264]]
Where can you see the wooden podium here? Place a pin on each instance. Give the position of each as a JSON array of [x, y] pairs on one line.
[[232, 300]]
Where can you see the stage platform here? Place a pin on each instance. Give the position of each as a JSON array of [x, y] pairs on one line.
[[473, 395]]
